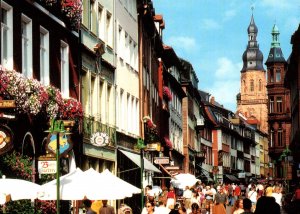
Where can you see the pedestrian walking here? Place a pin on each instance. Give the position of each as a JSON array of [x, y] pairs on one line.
[[162, 209], [252, 195], [247, 205], [238, 207], [187, 196], [171, 198], [87, 204], [150, 206], [267, 204], [106, 209], [221, 200]]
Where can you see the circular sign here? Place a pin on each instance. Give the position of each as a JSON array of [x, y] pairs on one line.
[[6, 138], [100, 139]]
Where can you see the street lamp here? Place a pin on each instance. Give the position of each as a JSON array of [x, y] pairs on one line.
[[56, 128], [286, 158], [141, 146]]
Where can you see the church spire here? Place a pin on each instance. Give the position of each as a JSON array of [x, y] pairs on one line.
[[275, 37], [275, 54], [252, 57]]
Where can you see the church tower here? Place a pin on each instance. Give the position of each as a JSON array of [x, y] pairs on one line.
[[252, 99]]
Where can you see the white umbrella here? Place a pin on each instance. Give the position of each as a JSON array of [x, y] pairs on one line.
[[69, 187], [89, 184], [105, 185], [18, 189], [184, 179]]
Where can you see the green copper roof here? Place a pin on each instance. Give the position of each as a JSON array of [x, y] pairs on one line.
[[275, 37], [275, 54]]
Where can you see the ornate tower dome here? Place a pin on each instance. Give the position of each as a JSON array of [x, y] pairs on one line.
[[275, 54], [252, 57]]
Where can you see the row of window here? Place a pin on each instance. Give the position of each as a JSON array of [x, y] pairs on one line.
[[279, 105], [6, 58], [275, 75], [252, 84], [276, 138]]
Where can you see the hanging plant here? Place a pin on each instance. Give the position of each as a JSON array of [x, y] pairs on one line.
[[168, 142], [147, 120], [31, 97], [167, 93], [73, 10]]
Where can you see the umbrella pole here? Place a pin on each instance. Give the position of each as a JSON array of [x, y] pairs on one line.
[[57, 173]]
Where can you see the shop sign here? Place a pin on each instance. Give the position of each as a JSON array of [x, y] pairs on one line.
[[172, 167], [153, 147], [242, 175], [7, 116], [7, 104], [65, 144], [47, 167], [100, 139], [6, 139], [161, 160]]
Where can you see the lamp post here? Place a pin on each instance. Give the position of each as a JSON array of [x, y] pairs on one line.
[[57, 127], [141, 147], [285, 157]]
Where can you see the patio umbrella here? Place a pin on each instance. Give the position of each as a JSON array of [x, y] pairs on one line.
[[184, 179], [105, 185], [89, 184], [69, 187], [18, 189]]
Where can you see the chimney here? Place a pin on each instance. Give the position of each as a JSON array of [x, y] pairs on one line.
[[212, 100]]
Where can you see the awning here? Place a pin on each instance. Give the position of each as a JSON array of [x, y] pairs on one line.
[[232, 178], [206, 174], [135, 158]]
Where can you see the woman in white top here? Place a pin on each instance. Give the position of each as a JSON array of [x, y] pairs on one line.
[[278, 195], [252, 195]]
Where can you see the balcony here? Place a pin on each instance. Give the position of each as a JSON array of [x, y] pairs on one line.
[[200, 156], [199, 124], [276, 151], [91, 126]]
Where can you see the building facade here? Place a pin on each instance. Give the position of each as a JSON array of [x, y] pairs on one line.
[[39, 87], [292, 82], [252, 99], [279, 119]]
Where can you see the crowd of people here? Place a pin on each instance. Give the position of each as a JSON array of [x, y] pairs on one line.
[[214, 199]]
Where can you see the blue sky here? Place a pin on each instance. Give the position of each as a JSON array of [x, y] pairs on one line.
[[212, 35]]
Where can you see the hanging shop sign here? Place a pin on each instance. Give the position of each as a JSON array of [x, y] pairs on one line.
[[6, 139], [100, 139], [162, 160], [153, 147], [47, 167], [65, 144], [7, 104], [47, 164]]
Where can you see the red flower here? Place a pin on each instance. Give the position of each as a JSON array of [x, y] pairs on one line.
[[167, 93]]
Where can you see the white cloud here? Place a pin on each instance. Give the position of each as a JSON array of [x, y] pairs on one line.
[[227, 69], [183, 42], [209, 24], [225, 92], [226, 83]]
